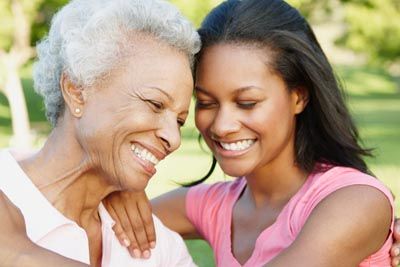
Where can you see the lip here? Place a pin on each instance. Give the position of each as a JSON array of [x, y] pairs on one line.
[[147, 166], [230, 153], [153, 150]]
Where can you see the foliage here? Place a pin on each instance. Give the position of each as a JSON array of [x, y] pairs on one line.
[[7, 23], [372, 25], [373, 28], [43, 17], [308, 8], [195, 10]]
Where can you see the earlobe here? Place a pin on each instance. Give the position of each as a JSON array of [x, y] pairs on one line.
[[73, 96]]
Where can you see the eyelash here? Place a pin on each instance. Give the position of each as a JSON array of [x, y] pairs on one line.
[[160, 106], [157, 105], [204, 104], [246, 105], [208, 105], [181, 123]]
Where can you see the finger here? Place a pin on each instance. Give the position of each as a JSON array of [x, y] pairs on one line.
[[147, 217], [139, 232], [395, 251], [124, 229], [396, 233], [395, 262], [121, 236], [118, 230]]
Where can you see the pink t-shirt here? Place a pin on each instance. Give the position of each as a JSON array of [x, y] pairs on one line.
[[209, 208]]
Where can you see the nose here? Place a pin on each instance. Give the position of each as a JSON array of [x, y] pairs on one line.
[[225, 123], [170, 134]]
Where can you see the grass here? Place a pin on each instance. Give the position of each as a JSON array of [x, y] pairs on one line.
[[374, 101]]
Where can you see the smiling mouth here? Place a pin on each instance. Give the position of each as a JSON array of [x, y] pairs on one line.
[[237, 146], [144, 154]]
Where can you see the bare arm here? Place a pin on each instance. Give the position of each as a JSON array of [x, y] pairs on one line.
[[170, 208], [36, 256], [337, 234]]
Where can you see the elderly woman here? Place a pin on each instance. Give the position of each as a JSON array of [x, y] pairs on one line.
[[116, 80]]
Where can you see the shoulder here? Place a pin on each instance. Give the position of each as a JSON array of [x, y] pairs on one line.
[[325, 183], [344, 212], [338, 183], [339, 232]]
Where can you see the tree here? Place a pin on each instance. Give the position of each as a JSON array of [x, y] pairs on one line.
[[373, 27], [195, 10], [17, 19], [13, 55]]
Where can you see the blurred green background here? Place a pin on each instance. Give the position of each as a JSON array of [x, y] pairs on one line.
[[360, 37]]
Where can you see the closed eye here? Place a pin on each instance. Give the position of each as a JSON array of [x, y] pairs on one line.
[[181, 123], [205, 104], [158, 106], [246, 104]]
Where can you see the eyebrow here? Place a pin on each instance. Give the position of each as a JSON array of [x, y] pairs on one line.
[[198, 88], [186, 112], [236, 91], [161, 91]]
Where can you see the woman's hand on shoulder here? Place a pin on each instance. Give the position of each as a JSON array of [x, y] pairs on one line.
[[395, 251], [134, 226]]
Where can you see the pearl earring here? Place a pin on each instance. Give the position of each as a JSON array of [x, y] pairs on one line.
[[77, 110]]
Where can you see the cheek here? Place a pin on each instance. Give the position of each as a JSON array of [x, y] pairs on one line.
[[271, 119], [203, 119]]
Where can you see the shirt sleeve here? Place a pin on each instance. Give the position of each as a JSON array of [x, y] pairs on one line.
[[333, 180], [195, 202], [203, 207]]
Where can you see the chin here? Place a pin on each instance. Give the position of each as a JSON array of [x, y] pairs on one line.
[[234, 171], [135, 182]]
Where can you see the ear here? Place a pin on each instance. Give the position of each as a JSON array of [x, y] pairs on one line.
[[300, 99], [73, 96]]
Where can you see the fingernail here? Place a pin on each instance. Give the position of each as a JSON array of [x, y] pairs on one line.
[[127, 242], [396, 262], [153, 244], [396, 251], [146, 254], [136, 253]]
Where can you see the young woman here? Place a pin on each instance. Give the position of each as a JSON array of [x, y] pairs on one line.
[[269, 107], [117, 82]]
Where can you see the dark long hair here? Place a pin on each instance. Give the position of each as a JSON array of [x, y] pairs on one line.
[[325, 132]]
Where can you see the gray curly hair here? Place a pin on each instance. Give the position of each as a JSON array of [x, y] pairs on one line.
[[85, 40]]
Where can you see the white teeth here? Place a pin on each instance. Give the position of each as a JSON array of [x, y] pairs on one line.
[[144, 154], [238, 146]]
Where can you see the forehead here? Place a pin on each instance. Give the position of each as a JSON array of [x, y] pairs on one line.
[[233, 66], [147, 62]]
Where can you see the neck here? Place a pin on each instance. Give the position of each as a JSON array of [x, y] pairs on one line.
[[66, 177], [276, 182]]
